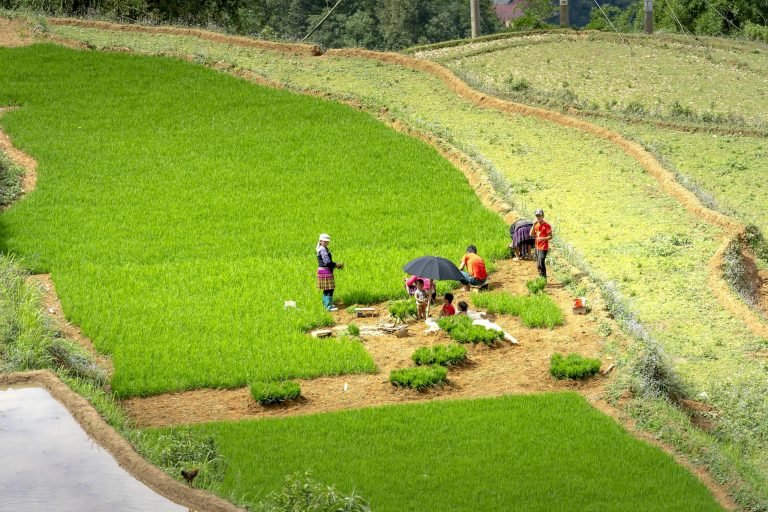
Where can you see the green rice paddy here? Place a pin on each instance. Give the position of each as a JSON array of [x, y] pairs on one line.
[[177, 208], [550, 452], [598, 199]]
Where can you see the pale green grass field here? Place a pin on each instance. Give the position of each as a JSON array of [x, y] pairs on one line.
[[600, 69]]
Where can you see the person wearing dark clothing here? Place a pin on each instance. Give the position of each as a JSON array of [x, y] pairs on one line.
[[522, 241], [325, 268], [543, 233]]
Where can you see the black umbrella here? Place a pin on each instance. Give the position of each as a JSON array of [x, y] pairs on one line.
[[434, 267]]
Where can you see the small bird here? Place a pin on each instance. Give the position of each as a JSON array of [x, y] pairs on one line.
[[189, 475]]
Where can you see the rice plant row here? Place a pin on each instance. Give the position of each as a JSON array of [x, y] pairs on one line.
[[535, 310]]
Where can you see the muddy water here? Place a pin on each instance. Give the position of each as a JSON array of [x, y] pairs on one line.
[[48, 463]]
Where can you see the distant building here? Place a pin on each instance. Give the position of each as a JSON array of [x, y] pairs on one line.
[[509, 10]]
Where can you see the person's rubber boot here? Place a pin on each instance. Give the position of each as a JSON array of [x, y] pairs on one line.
[[331, 307], [327, 302]]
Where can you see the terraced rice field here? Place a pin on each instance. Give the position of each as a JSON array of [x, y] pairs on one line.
[[543, 452], [175, 227], [608, 74], [599, 199]]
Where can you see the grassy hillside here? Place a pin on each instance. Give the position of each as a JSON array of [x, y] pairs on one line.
[[544, 452], [177, 208], [668, 76]]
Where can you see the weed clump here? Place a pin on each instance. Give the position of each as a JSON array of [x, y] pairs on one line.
[[418, 378], [535, 311], [572, 367], [275, 392], [403, 309], [655, 376], [183, 450], [353, 330], [461, 329], [537, 285], [301, 492], [443, 355]]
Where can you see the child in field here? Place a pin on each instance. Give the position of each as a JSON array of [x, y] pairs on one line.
[[463, 308], [448, 309], [422, 300]]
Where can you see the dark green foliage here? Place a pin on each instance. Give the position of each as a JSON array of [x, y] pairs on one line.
[[757, 242], [379, 24], [572, 367], [461, 329], [403, 309], [444, 355], [275, 392], [301, 493], [418, 378], [536, 285]]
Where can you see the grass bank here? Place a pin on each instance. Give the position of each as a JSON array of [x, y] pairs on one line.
[[544, 452]]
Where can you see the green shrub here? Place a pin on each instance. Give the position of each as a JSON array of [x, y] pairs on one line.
[[418, 378], [274, 392], [756, 32], [353, 330], [461, 329], [403, 309], [535, 311], [536, 285], [444, 355], [572, 367]]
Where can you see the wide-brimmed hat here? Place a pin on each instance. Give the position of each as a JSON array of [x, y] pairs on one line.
[[325, 237]]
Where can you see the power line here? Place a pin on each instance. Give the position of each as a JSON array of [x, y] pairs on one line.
[[671, 10], [631, 50], [719, 14]]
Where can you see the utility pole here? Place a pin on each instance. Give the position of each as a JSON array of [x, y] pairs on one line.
[[649, 16], [474, 8], [564, 22]]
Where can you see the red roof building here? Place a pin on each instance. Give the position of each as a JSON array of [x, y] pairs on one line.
[[509, 11]]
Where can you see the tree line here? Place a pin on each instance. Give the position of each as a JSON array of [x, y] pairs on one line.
[[396, 24]]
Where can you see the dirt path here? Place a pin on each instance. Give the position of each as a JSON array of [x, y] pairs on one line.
[[53, 309], [23, 160], [505, 369]]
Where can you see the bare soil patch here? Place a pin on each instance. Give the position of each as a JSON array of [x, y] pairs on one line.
[[503, 369], [53, 309], [14, 33], [18, 157]]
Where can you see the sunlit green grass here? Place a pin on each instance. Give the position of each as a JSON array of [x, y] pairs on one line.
[[534, 453], [727, 168], [597, 198], [177, 208], [600, 69]]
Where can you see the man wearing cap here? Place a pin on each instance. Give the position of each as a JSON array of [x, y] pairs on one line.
[[325, 267], [543, 233]]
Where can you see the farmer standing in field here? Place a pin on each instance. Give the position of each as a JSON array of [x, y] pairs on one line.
[[325, 267], [543, 233]]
